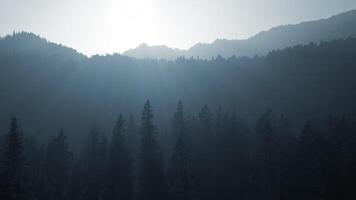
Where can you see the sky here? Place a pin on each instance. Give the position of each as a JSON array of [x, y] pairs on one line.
[[108, 26]]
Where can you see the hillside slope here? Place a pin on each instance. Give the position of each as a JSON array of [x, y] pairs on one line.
[[339, 26]]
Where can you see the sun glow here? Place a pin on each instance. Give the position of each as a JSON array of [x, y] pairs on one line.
[[130, 22]]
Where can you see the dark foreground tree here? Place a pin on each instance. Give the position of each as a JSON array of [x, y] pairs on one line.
[[93, 168], [204, 145], [13, 166], [151, 176], [309, 178], [57, 167], [119, 170], [266, 180], [180, 176]]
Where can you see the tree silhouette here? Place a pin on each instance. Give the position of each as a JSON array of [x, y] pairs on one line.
[[266, 174], [93, 163], [180, 177], [57, 167], [119, 183], [13, 166], [309, 164], [151, 176]]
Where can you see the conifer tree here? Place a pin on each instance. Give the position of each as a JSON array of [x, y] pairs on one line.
[[309, 164], [285, 145], [57, 166], [119, 169], [205, 147], [266, 169], [13, 165], [151, 175], [181, 183], [133, 138], [93, 163]]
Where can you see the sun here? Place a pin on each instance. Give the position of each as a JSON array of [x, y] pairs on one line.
[[131, 22]]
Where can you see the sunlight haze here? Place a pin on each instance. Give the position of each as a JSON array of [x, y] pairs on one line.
[[107, 26]]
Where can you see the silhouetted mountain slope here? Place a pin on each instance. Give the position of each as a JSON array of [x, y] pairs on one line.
[[25, 43], [155, 52], [337, 27], [59, 90]]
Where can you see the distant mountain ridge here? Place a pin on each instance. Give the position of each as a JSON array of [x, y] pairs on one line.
[[49, 85], [156, 52], [26, 43], [339, 26]]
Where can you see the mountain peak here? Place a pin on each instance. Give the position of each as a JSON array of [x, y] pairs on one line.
[[30, 43], [156, 52], [143, 45], [339, 26]]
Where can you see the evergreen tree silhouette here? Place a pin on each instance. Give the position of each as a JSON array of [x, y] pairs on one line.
[[93, 163], [151, 175], [205, 147], [310, 181], [13, 166], [57, 167], [266, 169], [119, 183], [180, 175]]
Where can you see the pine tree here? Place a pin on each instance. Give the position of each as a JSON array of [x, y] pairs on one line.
[[286, 156], [37, 184], [93, 165], [76, 185], [13, 166], [205, 147], [178, 123], [181, 184], [151, 176], [231, 163], [33, 164], [309, 164], [57, 167], [133, 138], [336, 160], [119, 170], [266, 173]]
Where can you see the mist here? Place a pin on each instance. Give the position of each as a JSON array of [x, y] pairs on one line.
[[222, 100], [114, 26]]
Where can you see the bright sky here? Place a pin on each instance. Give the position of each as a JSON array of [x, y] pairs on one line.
[[107, 26]]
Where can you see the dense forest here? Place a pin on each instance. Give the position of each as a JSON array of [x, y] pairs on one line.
[[274, 127], [212, 154], [339, 26], [50, 87]]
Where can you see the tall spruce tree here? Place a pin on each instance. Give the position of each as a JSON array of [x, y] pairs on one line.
[[231, 162], [286, 143], [133, 141], [266, 176], [180, 175], [57, 167], [205, 150], [119, 168], [151, 175], [93, 163], [13, 165], [309, 164], [133, 138]]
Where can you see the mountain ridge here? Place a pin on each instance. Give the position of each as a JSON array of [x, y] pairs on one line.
[[263, 42], [278, 37], [303, 80]]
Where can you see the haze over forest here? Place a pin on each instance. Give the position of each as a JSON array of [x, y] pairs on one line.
[[269, 117]]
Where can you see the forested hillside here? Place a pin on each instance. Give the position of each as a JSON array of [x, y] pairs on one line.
[[49, 86], [268, 117], [209, 154], [339, 26]]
